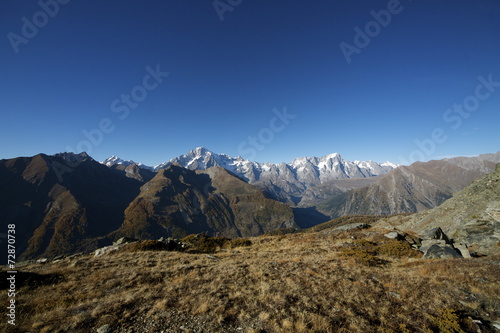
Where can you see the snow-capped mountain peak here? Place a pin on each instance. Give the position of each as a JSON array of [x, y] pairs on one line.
[[289, 179], [113, 160]]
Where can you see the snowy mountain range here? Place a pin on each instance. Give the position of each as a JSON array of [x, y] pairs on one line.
[[286, 181]]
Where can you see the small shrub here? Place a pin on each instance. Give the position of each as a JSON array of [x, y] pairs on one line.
[[364, 252], [447, 321], [202, 243], [148, 245], [239, 242], [398, 249]]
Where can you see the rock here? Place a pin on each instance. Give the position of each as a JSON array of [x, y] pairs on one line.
[[209, 256], [395, 235], [437, 251], [104, 329], [41, 261], [124, 240], [353, 226], [427, 243], [395, 295], [106, 250], [172, 244], [436, 233], [462, 247]]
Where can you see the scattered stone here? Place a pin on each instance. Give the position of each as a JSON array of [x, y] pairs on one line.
[[436, 233], [395, 295], [427, 243], [209, 256], [106, 250], [124, 240], [441, 252], [173, 244], [79, 254], [353, 226], [395, 235], [41, 261], [462, 247], [104, 329]]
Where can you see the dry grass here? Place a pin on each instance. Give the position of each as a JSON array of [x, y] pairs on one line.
[[301, 282]]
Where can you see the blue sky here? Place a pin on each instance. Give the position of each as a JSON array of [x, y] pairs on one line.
[[269, 82]]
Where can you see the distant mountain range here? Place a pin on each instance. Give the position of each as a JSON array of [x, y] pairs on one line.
[[286, 182], [68, 202], [411, 189]]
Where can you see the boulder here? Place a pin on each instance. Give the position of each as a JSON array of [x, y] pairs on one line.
[[106, 250], [462, 247], [427, 243], [124, 240], [395, 235], [445, 251], [436, 233]]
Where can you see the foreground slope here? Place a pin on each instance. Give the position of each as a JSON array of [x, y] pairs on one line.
[[307, 282], [472, 216]]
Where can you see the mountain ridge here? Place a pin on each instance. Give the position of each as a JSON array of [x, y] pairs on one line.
[[413, 188], [287, 182], [471, 215]]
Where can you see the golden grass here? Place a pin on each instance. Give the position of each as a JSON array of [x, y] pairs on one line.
[[294, 283]]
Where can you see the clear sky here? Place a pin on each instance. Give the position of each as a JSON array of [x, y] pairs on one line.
[[267, 80]]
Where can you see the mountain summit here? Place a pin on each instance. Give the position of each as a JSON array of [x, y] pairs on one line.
[[288, 182]]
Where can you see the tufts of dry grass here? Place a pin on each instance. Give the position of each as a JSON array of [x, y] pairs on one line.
[[202, 243], [303, 282]]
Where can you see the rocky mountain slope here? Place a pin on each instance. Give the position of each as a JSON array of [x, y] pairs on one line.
[[178, 201], [471, 216], [410, 189], [68, 203], [60, 205]]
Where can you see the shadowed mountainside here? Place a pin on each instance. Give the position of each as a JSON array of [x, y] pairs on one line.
[[60, 207], [178, 201]]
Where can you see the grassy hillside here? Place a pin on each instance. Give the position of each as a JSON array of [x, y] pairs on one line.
[[305, 282]]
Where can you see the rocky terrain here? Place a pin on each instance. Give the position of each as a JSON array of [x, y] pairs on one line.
[[411, 189], [352, 280], [471, 216]]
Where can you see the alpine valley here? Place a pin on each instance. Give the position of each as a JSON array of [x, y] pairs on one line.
[[68, 203]]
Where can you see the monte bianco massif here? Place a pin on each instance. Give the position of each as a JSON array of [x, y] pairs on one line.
[[293, 182]]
